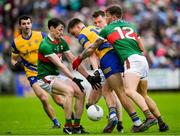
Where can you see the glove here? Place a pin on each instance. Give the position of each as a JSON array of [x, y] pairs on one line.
[[18, 67], [76, 63], [94, 82], [78, 82], [97, 76]]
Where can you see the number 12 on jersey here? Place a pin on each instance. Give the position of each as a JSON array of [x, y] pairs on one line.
[[124, 32]]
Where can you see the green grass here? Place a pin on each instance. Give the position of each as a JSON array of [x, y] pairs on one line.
[[25, 116]]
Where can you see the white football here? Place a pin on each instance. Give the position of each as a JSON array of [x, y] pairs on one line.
[[95, 112]]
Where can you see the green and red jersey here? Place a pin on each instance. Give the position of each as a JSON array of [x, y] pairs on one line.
[[124, 38], [49, 47]]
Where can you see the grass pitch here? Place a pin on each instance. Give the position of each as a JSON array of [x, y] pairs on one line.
[[25, 116]]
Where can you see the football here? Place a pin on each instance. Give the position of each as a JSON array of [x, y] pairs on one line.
[[95, 112]]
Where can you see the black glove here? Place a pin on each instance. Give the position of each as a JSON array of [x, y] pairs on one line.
[[98, 76], [94, 81], [18, 67], [78, 82]]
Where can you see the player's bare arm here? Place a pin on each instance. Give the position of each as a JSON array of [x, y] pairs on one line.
[[55, 59], [93, 58], [70, 58], [87, 52], [91, 49]]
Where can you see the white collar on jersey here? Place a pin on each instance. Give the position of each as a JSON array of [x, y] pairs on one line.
[[50, 37]]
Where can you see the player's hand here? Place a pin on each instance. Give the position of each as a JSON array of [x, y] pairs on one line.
[[18, 67], [97, 76], [94, 82], [78, 82], [76, 63]]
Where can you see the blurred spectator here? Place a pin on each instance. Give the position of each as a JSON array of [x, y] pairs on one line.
[[158, 23]]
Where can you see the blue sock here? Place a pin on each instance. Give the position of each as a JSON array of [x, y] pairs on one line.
[[112, 112], [136, 120], [55, 121]]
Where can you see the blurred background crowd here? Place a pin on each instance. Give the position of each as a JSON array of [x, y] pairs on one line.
[[158, 22]]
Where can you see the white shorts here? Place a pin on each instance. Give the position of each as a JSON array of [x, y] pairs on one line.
[[47, 82], [137, 64]]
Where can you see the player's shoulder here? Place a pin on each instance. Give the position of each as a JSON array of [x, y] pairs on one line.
[[88, 29], [38, 34], [44, 41], [44, 45], [18, 38]]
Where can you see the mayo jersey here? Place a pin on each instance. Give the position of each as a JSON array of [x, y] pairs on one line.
[[27, 49], [48, 48], [90, 35], [123, 37]]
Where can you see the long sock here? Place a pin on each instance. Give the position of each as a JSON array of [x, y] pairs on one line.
[[112, 112], [55, 121], [136, 120], [77, 122], [68, 123], [160, 121], [148, 114]]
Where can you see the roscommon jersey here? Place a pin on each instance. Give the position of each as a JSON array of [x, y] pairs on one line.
[[109, 61], [47, 48], [124, 38], [89, 34], [27, 49]]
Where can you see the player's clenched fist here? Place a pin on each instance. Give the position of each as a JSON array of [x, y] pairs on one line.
[[76, 63]]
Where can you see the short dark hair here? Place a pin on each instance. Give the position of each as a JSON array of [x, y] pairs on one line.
[[115, 10], [55, 22], [73, 22], [24, 17], [98, 13]]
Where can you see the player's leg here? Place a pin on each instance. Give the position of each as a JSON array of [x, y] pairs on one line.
[[142, 89], [136, 67], [116, 83], [111, 103], [59, 100], [43, 96], [119, 113], [79, 107], [131, 81], [94, 97], [112, 69], [63, 87]]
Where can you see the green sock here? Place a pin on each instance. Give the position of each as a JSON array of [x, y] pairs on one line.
[[77, 122], [68, 122]]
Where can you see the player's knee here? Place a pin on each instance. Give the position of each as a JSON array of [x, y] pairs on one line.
[[58, 101], [69, 92], [79, 94], [129, 93]]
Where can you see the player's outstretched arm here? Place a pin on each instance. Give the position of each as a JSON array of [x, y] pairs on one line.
[[87, 52], [91, 49], [55, 59]]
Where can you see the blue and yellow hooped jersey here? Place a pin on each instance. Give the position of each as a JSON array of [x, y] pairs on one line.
[[27, 49], [90, 34]]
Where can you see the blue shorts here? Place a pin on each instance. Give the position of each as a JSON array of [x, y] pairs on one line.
[[32, 80], [110, 64]]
